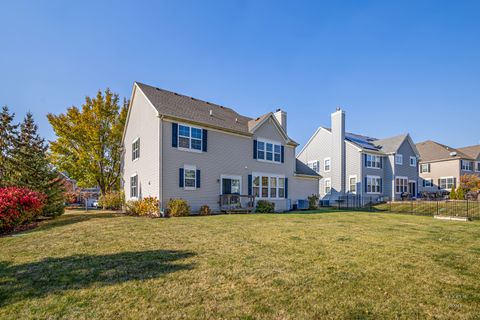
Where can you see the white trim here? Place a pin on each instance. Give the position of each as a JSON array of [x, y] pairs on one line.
[[190, 149], [373, 177], [273, 143], [277, 125], [330, 164], [373, 155], [131, 154], [314, 162], [410, 161], [189, 167], [325, 186], [269, 175], [356, 183], [130, 186], [399, 156], [395, 183], [230, 176], [451, 177]]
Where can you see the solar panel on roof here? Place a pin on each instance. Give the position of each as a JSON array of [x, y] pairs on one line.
[[364, 142]]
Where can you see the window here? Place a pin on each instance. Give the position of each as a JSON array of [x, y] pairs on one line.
[[424, 167], [352, 184], [447, 183], [373, 161], [373, 184], [134, 186], [136, 149], [401, 184], [413, 161], [328, 185], [189, 177], [314, 165], [266, 186], [399, 159], [467, 165], [189, 138], [326, 164], [269, 151], [478, 166], [428, 182]]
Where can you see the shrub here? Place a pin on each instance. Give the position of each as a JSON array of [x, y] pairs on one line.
[[112, 200], [264, 206], [19, 206], [205, 210], [148, 206], [313, 202], [453, 195], [178, 208], [460, 193]]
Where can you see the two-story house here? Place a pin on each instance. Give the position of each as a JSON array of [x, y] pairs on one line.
[[355, 164], [177, 146], [442, 166]]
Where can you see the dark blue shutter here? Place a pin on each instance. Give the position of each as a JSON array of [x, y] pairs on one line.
[[198, 179], [204, 140], [381, 185], [282, 155], [286, 187], [381, 162], [365, 160], [455, 183], [366, 190], [174, 135], [250, 185], [254, 149], [180, 178]]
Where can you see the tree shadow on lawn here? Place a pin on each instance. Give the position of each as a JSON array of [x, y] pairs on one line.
[[54, 275]]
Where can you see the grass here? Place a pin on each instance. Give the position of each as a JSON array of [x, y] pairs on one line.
[[447, 208], [353, 265]]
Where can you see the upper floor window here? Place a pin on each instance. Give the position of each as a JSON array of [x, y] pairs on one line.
[[189, 137], [134, 186], [327, 164], [424, 167], [413, 161], [136, 149], [467, 165], [314, 165], [373, 161], [269, 151], [399, 159]]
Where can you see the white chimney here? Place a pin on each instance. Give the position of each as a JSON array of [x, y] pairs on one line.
[[338, 161], [281, 116]]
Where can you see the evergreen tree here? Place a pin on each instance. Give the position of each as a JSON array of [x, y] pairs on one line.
[[8, 132], [453, 194], [32, 169], [460, 193]]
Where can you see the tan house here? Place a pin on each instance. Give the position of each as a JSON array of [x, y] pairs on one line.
[[176, 146], [442, 166]]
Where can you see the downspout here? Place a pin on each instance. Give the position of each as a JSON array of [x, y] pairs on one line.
[[160, 165]]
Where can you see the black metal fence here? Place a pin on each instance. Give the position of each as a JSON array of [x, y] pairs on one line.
[[425, 207]]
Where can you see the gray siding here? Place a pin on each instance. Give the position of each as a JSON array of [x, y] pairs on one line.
[[405, 170], [142, 123], [353, 166]]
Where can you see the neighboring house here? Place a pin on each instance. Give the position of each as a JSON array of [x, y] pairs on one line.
[[355, 164], [442, 166], [176, 146]]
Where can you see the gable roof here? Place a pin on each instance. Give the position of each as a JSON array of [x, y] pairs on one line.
[[433, 151], [471, 151], [304, 170], [180, 107]]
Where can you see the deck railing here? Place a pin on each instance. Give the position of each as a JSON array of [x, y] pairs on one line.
[[236, 203]]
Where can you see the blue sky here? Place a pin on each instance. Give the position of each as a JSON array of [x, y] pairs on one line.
[[394, 66]]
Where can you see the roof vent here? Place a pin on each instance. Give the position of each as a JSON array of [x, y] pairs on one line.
[[211, 112], [236, 120], [453, 154]]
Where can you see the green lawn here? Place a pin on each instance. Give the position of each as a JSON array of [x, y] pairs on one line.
[[274, 266]]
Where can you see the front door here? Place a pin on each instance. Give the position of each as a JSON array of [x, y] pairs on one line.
[[412, 188]]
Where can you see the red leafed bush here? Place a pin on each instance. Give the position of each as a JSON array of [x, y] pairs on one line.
[[19, 206]]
